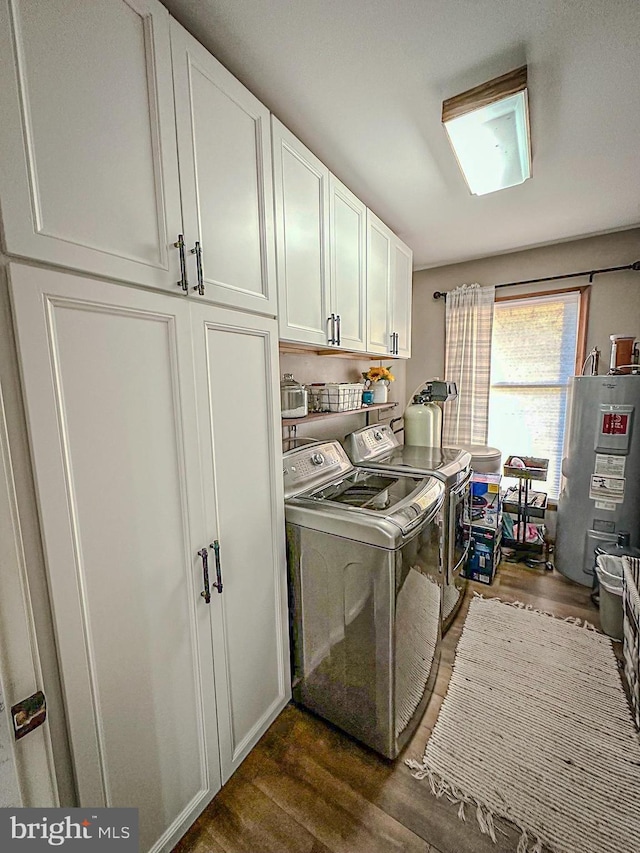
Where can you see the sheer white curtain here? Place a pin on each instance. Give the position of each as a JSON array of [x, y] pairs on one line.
[[468, 327]]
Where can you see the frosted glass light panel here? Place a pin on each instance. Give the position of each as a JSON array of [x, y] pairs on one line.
[[491, 144]]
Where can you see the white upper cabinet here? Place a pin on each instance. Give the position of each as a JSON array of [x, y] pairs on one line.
[[347, 239], [224, 147], [379, 244], [321, 249], [88, 130], [401, 294], [301, 188], [389, 291]]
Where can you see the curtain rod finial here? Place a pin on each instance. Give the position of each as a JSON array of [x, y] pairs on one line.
[[439, 295]]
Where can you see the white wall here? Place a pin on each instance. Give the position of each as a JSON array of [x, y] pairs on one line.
[[614, 306]]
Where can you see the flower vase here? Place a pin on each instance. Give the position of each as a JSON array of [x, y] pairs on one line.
[[380, 391]]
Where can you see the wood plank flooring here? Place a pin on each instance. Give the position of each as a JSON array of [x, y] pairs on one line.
[[308, 788]]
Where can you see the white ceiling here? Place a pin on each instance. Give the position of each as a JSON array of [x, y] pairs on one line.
[[361, 83]]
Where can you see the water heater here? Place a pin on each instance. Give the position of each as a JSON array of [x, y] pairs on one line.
[[600, 494]]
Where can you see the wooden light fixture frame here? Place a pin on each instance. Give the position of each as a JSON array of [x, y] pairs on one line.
[[485, 94]]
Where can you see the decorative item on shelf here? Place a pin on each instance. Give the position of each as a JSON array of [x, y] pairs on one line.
[[293, 398], [378, 380]]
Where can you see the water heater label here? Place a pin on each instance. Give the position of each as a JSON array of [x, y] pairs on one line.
[[607, 489], [610, 466], [614, 428], [614, 423], [610, 506]]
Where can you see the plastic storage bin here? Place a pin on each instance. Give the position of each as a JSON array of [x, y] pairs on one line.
[[610, 573]]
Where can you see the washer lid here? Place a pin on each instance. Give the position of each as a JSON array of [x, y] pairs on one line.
[[373, 507]]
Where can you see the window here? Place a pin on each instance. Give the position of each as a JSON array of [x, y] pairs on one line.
[[534, 351]]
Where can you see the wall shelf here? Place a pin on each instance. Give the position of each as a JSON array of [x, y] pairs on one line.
[[290, 425], [320, 416]]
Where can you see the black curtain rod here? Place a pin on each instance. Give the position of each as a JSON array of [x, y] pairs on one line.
[[635, 266]]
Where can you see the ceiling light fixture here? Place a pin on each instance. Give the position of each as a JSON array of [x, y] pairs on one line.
[[488, 128]]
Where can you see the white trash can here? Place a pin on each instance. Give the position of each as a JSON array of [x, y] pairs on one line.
[[610, 574]]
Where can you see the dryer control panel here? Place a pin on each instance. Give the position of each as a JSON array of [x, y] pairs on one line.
[[369, 443]]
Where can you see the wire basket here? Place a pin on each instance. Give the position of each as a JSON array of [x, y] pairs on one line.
[[335, 396]]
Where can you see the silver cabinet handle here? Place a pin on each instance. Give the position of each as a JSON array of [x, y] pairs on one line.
[[216, 555], [331, 338], [338, 342], [197, 251], [206, 592], [183, 283], [393, 341]]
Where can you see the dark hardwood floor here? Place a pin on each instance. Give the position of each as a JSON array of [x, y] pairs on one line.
[[308, 788]]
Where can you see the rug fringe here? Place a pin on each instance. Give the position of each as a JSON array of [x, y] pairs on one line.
[[484, 816], [520, 605]]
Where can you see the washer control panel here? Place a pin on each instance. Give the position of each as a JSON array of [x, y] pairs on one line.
[[313, 465], [370, 442]]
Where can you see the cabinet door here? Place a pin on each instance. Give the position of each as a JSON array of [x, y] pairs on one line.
[[108, 381], [88, 127], [379, 256], [301, 187], [401, 292], [239, 416], [347, 232], [224, 145]]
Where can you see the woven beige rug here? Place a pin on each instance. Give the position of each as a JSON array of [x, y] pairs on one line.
[[536, 729]]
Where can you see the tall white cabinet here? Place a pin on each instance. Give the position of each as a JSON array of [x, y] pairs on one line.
[[149, 456], [139, 163]]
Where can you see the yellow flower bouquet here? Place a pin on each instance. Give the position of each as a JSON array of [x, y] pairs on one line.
[[378, 374]]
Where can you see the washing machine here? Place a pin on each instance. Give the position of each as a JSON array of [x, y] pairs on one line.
[[365, 592], [378, 448]]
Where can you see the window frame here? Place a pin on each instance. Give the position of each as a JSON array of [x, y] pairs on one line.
[[583, 314]]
